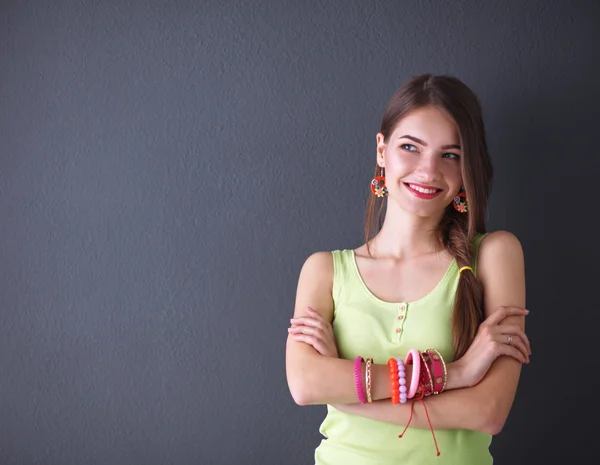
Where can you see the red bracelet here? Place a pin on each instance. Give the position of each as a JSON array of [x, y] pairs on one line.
[[438, 370], [426, 378]]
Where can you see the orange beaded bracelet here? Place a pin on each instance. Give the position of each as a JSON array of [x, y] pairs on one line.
[[393, 366]]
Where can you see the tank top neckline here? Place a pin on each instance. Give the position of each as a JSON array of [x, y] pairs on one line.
[[449, 272]]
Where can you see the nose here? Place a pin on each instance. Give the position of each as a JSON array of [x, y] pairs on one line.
[[428, 168]]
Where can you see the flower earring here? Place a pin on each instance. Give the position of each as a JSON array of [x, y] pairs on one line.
[[378, 186], [460, 202]]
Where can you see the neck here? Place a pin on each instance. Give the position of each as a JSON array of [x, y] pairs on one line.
[[404, 235]]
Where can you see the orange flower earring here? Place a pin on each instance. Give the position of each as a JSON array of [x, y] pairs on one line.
[[460, 202], [378, 186]]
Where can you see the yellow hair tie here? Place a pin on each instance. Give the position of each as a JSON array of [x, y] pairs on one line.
[[465, 268]]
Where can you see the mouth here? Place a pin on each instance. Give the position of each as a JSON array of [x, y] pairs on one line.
[[423, 192]]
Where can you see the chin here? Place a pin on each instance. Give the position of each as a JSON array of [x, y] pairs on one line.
[[429, 208], [437, 214], [423, 212]]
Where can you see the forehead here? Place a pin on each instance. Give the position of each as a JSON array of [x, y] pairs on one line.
[[430, 124]]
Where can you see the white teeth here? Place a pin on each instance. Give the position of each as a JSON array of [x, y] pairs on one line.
[[423, 190]]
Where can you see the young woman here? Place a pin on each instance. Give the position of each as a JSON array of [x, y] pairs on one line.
[[429, 309]]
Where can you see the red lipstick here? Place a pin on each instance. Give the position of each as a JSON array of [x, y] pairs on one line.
[[427, 195]]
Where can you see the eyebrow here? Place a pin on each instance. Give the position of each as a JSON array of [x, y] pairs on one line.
[[423, 143]]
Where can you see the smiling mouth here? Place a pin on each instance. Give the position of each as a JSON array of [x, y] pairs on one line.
[[423, 192]]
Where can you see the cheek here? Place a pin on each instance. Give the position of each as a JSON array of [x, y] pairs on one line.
[[452, 173], [398, 164]]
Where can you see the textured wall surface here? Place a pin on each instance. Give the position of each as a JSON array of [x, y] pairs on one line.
[[167, 166]]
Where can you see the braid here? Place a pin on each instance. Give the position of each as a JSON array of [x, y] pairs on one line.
[[467, 314]]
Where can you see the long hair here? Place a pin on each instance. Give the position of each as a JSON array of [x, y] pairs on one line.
[[456, 231]]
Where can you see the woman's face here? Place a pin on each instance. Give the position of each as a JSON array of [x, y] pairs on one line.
[[422, 162]]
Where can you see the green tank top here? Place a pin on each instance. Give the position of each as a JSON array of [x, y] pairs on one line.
[[367, 326]]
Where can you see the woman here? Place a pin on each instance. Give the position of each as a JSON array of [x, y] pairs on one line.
[[427, 277]]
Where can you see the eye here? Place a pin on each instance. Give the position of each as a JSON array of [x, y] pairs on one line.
[[451, 155], [408, 147]]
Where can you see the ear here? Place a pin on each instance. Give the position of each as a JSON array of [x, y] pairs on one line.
[[381, 150]]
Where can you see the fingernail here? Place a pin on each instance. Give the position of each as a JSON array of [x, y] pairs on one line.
[[526, 311]]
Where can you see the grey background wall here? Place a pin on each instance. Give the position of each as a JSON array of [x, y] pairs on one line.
[[167, 166]]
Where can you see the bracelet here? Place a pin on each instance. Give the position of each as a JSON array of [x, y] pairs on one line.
[[440, 374], [368, 379], [427, 381], [393, 366], [402, 381], [358, 379], [413, 358]]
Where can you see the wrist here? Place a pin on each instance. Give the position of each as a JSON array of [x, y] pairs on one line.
[[457, 376], [382, 384]]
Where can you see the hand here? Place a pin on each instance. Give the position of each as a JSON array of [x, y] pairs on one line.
[[316, 332], [494, 339]]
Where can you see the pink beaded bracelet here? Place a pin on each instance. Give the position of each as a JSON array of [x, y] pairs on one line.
[[414, 357], [360, 391]]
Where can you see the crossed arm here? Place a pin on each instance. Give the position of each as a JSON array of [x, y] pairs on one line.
[[315, 379]]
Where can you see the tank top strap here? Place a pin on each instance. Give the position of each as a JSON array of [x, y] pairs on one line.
[[343, 273], [337, 265]]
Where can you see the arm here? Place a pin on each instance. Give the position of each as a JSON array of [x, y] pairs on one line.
[[485, 406], [501, 269], [313, 378], [317, 379]]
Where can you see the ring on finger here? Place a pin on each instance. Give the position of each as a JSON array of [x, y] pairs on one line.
[[510, 339]]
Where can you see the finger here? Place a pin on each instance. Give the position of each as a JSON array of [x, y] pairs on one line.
[[311, 341], [308, 330], [309, 321], [502, 312], [505, 349], [316, 333], [516, 330], [314, 314], [519, 332], [513, 352], [518, 343], [505, 311], [327, 325], [515, 342]]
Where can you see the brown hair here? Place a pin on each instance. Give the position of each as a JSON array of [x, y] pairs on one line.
[[456, 231]]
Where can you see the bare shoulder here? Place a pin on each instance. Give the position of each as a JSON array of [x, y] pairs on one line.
[[319, 263], [318, 268], [499, 247], [315, 285]]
